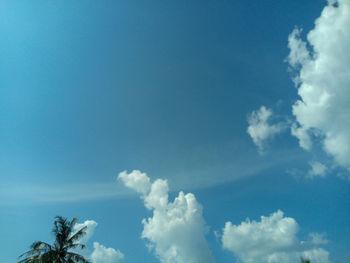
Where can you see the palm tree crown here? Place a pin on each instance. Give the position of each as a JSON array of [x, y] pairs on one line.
[[66, 239]]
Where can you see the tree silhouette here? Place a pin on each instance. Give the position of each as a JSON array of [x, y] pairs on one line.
[[303, 260], [66, 239]]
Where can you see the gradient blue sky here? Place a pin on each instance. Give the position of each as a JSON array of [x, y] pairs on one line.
[[91, 88]]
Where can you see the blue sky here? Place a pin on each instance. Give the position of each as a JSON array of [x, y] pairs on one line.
[[203, 94]]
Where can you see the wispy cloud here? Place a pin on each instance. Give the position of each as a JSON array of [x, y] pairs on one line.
[[201, 177], [40, 193], [317, 169]]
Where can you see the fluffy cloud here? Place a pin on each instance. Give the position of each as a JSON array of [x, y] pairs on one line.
[[91, 225], [260, 129], [101, 254], [176, 231], [323, 82], [136, 180], [273, 239], [317, 169]]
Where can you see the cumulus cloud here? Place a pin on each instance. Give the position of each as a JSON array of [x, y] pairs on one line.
[[91, 225], [323, 82], [136, 180], [176, 231], [273, 239], [102, 254], [260, 128], [317, 169]]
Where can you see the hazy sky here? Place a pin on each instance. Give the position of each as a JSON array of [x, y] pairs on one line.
[[164, 125]]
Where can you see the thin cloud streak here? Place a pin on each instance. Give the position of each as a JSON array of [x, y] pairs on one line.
[[21, 194], [207, 176]]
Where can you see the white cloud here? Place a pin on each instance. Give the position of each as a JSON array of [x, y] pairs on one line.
[[303, 136], [317, 169], [298, 51], [176, 231], [318, 239], [91, 225], [323, 81], [260, 129], [102, 254], [273, 239], [136, 180]]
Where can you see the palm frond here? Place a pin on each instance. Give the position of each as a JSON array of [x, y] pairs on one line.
[[50, 257], [61, 231], [81, 232], [303, 260], [74, 246], [29, 253], [76, 257], [40, 245], [32, 259], [73, 222], [59, 221], [37, 248]]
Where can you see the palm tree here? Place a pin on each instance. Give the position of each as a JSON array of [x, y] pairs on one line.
[[65, 240]]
